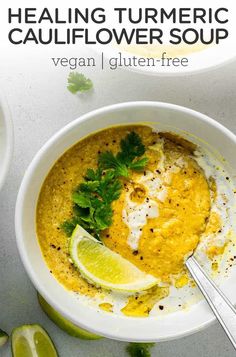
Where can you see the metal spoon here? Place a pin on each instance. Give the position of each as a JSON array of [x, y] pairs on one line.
[[221, 306]]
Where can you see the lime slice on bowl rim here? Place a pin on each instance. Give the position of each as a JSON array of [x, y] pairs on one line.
[[65, 324], [103, 267], [3, 337], [32, 341]]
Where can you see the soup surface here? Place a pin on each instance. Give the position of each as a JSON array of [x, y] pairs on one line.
[[158, 220]]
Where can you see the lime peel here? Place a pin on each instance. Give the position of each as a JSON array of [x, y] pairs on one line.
[[32, 341], [105, 268], [65, 324], [3, 337]]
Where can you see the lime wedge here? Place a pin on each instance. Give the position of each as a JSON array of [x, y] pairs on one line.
[[3, 338], [32, 341], [65, 324], [105, 268]]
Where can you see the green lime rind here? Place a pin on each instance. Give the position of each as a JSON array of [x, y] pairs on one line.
[[65, 324], [3, 338], [32, 340]]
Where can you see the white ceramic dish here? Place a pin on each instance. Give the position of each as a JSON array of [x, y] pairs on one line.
[[211, 57], [162, 116], [201, 61], [6, 139]]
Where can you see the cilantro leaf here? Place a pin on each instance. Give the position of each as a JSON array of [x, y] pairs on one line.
[[93, 175], [81, 199], [131, 148], [77, 82], [138, 165], [90, 186], [109, 187], [69, 226], [139, 349], [103, 216], [108, 160]]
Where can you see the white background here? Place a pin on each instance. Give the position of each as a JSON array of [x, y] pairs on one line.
[[40, 105]]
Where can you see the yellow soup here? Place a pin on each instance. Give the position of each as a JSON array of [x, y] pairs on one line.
[[158, 219]]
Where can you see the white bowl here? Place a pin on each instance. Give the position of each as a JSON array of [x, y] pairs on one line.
[[163, 116], [199, 61], [6, 140], [200, 58]]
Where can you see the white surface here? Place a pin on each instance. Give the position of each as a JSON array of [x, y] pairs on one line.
[[163, 117], [40, 105], [6, 139]]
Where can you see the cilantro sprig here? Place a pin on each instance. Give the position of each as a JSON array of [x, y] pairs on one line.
[[77, 82], [92, 199], [92, 202], [131, 149], [139, 349]]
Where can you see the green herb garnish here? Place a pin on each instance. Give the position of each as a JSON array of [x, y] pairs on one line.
[[92, 202], [77, 82], [131, 148], [139, 349], [93, 198]]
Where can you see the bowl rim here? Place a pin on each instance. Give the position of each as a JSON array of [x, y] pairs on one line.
[[26, 182], [204, 68], [9, 134]]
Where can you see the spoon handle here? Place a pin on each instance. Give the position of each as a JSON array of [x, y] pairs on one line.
[[221, 306]]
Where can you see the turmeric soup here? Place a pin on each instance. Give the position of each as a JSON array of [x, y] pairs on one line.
[[162, 212]]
